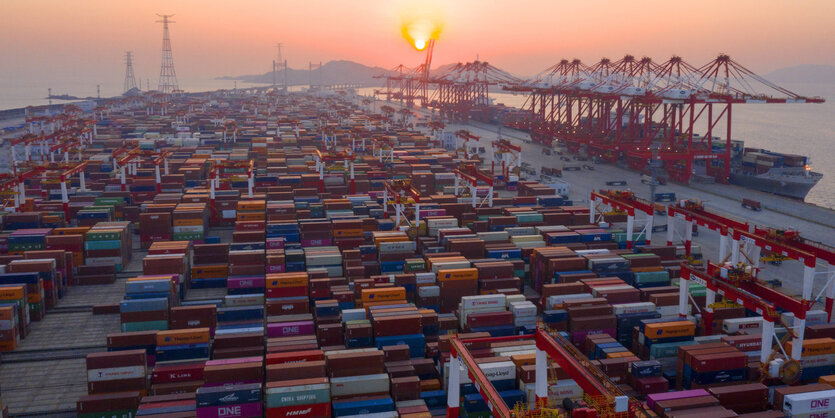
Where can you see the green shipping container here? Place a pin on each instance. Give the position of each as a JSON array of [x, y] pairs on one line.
[[663, 350], [303, 395], [652, 277], [187, 236], [145, 326], [103, 235], [103, 245], [109, 201]]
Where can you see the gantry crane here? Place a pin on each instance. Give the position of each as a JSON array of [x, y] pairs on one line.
[[694, 212], [467, 177], [468, 140], [748, 240], [601, 394], [626, 109], [511, 157], [397, 193], [738, 283], [218, 169], [625, 201]]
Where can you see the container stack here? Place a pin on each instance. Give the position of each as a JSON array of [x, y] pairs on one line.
[[109, 243], [146, 303], [34, 293], [189, 220], [117, 371], [9, 326], [210, 266]]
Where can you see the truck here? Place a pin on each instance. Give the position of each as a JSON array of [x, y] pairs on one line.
[[752, 204], [551, 171]]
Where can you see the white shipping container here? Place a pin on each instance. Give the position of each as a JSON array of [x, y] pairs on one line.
[[503, 351], [497, 236], [551, 228], [511, 299], [425, 278], [522, 309], [805, 403], [521, 231], [502, 370], [516, 239], [528, 321], [483, 301], [442, 223], [563, 389], [635, 307], [816, 317], [397, 247], [115, 373], [817, 361], [358, 385], [429, 291], [671, 310], [326, 259], [353, 315], [244, 300], [592, 252], [752, 325], [530, 244]]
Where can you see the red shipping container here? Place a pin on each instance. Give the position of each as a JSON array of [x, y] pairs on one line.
[[489, 319]]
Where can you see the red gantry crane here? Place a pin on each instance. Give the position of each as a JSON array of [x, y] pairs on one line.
[[468, 176], [739, 284], [601, 394], [628, 108], [625, 201]]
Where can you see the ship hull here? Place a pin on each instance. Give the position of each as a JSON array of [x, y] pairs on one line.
[[788, 188]]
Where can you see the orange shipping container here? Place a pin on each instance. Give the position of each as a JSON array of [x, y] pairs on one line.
[[282, 280], [670, 329], [7, 313], [829, 380], [383, 295], [183, 336], [815, 347], [458, 274], [12, 293]]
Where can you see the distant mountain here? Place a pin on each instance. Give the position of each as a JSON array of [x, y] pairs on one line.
[[333, 72], [809, 73]]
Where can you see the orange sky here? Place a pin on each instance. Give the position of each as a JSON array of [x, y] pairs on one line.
[[86, 39]]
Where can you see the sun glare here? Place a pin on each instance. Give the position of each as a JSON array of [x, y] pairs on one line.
[[418, 31]]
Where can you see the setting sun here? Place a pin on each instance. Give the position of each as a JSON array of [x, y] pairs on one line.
[[419, 30]]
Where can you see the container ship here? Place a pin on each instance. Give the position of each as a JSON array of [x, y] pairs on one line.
[[772, 172], [254, 268]]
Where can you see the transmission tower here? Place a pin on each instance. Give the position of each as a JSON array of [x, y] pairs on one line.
[[167, 75], [130, 79]]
